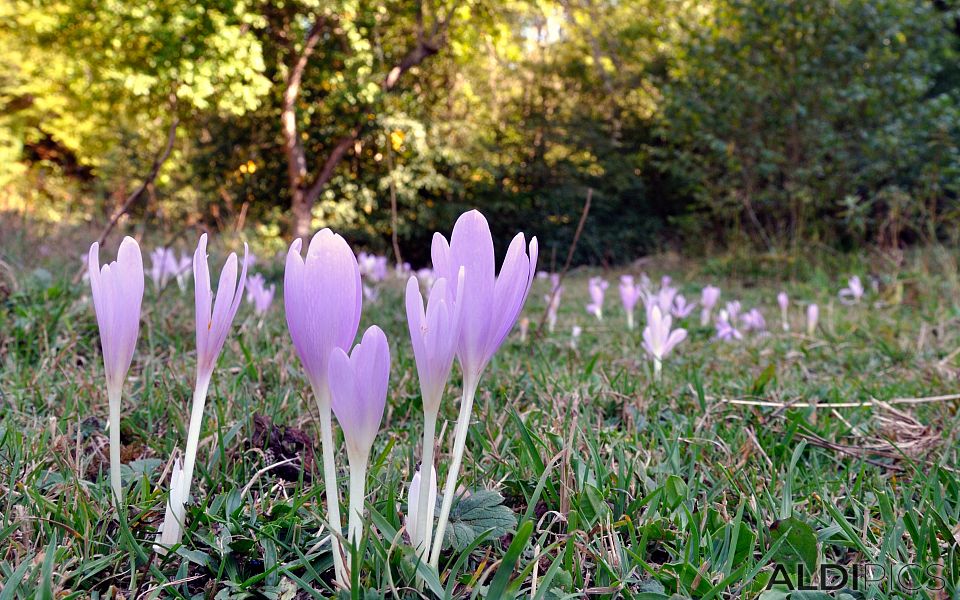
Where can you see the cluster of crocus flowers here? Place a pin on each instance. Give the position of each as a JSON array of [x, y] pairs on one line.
[[727, 322], [258, 294], [784, 302], [214, 318], [164, 265], [659, 339], [597, 288], [853, 292], [630, 294], [491, 304], [117, 290], [708, 300]]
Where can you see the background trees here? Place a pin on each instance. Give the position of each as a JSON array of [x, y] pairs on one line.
[[722, 121]]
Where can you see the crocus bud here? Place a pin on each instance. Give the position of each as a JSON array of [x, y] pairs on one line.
[[597, 287], [358, 387], [171, 530], [630, 294], [214, 317], [708, 299], [784, 301], [418, 531], [813, 315], [434, 333]]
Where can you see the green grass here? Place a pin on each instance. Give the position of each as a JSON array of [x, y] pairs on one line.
[[619, 487]]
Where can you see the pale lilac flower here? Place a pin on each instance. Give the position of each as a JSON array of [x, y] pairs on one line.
[[249, 259], [434, 334], [733, 310], [708, 299], [662, 299], [540, 275], [665, 281], [358, 389], [553, 305], [491, 305], [417, 503], [575, 332], [117, 290], [813, 315], [214, 316], [371, 293], [753, 321], [681, 309], [320, 322], [163, 266], [259, 294], [725, 327], [658, 339], [554, 281], [853, 292], [373, 267], [426, 277], [183, 271], [630, 294], [784, 301], [597, 288]]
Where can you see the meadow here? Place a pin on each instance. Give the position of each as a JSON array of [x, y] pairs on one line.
[[583, 476]]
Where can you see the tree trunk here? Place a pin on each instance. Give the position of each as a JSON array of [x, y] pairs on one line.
[[302, 214]]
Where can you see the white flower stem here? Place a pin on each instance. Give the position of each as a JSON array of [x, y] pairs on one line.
[[322, 393], [459, 442], [358, 481], [630, 320], [424, 510], [657, 369], [113, 398], [193, 431]]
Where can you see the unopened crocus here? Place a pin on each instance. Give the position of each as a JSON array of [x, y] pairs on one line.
[[658, 339], [784, 301], [853, 292], [117, 290], [753, 321], [491, 305], [813, 315], [171, 530], [435, 335], [681, 308], [323, 298], [630, 294], [358, 390], [214, 317], [726, 327], [662, 299], [708, 299], [597, 287], [575, 332], [421, 497], [259, 294]]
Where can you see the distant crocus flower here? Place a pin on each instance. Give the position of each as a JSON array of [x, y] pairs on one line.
[[434, 334], [726, 329], [813, 315], [575, 332], [371, 293], [553, 306], [491, 305], [597, 287], [358, 388], [117, 290], [259, 294], [681, 308], [658, 339], [630, 294], [372, 267], [662, 299], [733, 310], [853, 292], [416, 504], [784, 301], [426, 277], [753, 321], [163, 265], [249, 259], [708, 299], [183, 271], [319, 322], [214, 317]]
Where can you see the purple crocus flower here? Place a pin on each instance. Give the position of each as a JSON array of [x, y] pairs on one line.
[[630, 294], [597, 287], [658, 339], [853, 292], [681, 308], [708, 299], [491, 305], [117, 290], [784, 301], [726, 329], [163, 266], [753, 321], [663, 299], [434, 333], [358, 389], [323, 297], [813, 315]]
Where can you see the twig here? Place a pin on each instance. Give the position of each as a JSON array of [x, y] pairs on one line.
[[830, 405], [566, 265]]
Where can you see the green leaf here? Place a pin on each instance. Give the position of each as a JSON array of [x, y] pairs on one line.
[[499, 584], [800, 543], [471, 516]]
